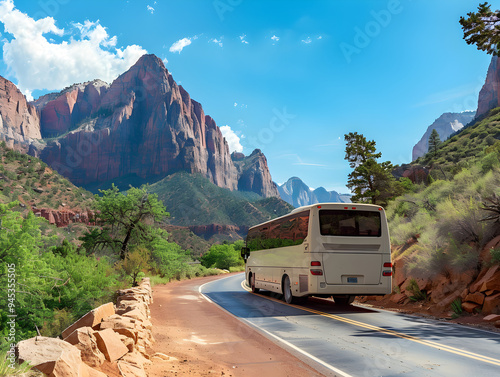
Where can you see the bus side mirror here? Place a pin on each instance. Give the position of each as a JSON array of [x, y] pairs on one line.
[[245, 253]]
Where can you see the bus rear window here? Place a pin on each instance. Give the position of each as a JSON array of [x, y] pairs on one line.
[[349, 223]]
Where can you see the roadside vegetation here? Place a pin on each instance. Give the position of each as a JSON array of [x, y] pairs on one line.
[[456, 212], [441, 225], [59, 274]]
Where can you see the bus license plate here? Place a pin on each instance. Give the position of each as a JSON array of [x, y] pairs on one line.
[[352, 280]]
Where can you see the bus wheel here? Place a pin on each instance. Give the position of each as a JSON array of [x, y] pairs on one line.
[[287, 290], [344, 301], [252, 284]]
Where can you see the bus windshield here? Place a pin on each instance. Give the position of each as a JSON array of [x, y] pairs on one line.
[[349, 223]]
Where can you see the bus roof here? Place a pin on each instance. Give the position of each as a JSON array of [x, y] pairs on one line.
[[335, 205]]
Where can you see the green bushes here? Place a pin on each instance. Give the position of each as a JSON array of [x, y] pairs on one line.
[[223, 257], [446, 217], [495, 255], [54, 285]]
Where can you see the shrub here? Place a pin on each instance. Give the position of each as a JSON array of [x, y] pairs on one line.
[[462, 256], [418, 295], [134, 263], [222, 256], [460, 220], [495, 255], [456, 306], [7, 369]]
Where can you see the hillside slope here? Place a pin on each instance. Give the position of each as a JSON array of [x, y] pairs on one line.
[[193, 200], [446, 242]]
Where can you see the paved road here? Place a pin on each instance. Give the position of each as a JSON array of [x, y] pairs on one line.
[[356, 341]]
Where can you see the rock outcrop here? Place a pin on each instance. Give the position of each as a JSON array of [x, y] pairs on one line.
[[445, 125], [142, 127], [19, 121], [63, 112], [298, 194], [254, 175], [64, 217], [489, 96]]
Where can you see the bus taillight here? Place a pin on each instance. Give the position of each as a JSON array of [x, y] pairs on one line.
[[317, 272], [315, 263], [387, 273], [387, 264]]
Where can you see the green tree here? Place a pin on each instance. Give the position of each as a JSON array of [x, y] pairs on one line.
[[135, 262], [434, 142], [369, 181], [126, 219], [482, 29], [222, 256]]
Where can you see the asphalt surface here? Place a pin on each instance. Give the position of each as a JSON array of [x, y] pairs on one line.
[[357, 341]]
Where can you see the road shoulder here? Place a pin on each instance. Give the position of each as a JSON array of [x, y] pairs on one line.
[[207, 341]]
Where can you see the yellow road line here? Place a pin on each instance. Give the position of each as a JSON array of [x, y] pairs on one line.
[[412, 338]]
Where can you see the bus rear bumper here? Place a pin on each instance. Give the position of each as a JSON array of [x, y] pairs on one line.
[[358, 290]]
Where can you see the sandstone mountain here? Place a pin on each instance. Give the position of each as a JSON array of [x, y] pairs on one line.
[[297, 193], [19, 120], [445, 125], [489, 96], [139, 129]]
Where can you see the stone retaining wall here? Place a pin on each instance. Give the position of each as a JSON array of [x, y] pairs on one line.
[[114, 334]]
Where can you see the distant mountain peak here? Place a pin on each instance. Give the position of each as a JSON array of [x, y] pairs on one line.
[[295, 192], [445, 125]]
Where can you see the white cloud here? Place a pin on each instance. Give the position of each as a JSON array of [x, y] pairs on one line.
[[235, 104], [165, 61], [180, 44], [307, 40], [150, 8], [242, 39], [84, 53], [320, 37], [275, 38], [233, 140], [217, 41]]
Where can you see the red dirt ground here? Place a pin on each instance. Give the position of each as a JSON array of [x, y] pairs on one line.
[[207, 341]]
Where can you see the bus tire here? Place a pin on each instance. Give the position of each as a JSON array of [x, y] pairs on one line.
[[287, 290], [344, 301], [252, 284]]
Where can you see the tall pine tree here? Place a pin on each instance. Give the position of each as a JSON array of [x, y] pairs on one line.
[[434, 142]]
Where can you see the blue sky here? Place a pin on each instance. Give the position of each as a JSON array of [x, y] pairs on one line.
[[289, 77]]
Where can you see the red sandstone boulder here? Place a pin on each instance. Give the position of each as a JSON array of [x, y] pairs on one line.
[[52, 356], [470, 307], [91, 319], [110, 345], [84, 339], [485, 276], [476, 297], [491, 304]]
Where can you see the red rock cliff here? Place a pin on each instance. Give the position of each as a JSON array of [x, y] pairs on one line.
[[19, 122], [489, 96]]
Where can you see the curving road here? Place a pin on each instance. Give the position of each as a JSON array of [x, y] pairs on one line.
[[357, 341]]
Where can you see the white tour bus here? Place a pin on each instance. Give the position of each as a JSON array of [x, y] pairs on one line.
[[325, 249]]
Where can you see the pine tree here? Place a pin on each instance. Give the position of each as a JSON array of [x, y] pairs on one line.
[[482, 29], [434, 142], [370, 181]]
